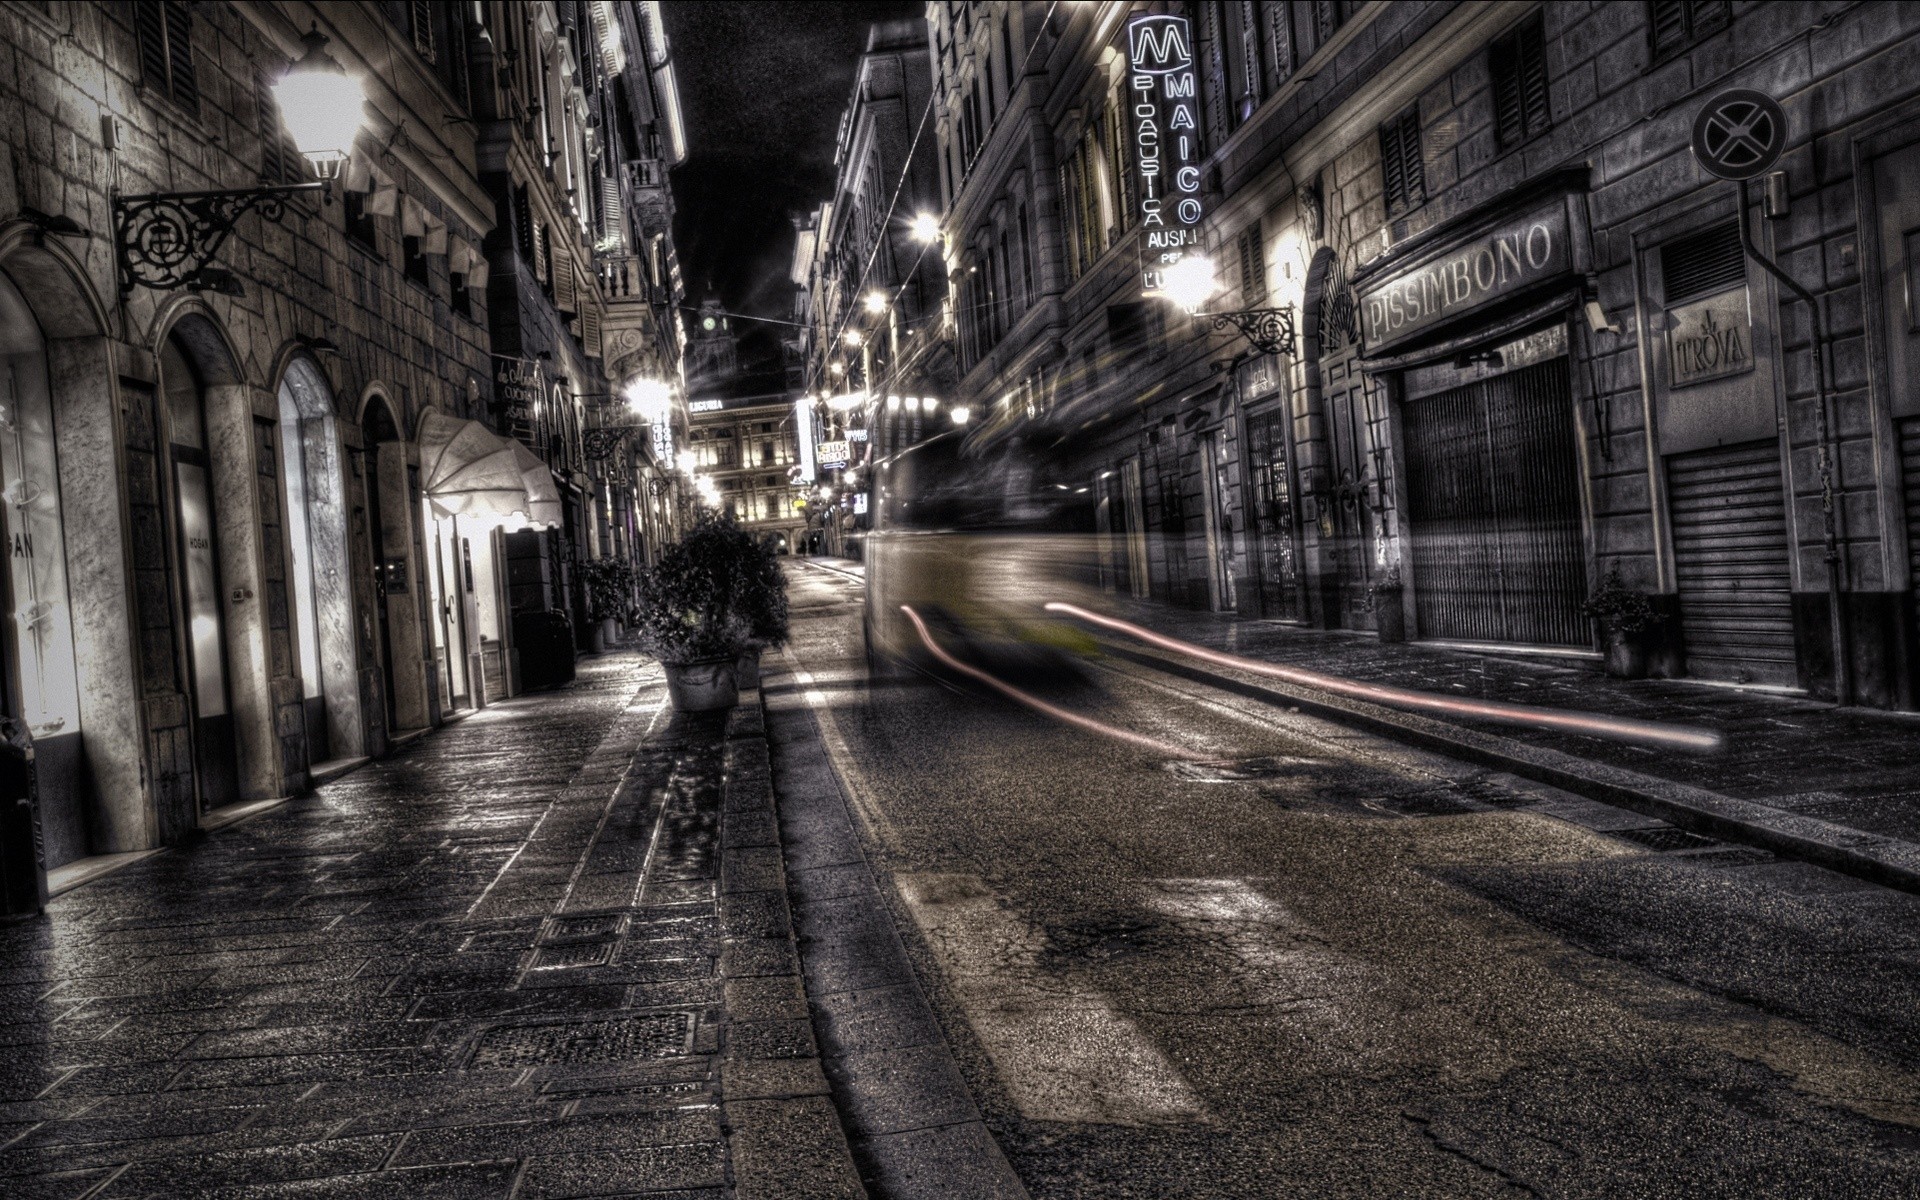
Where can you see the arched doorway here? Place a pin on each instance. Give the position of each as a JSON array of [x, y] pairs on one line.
[[39, 681], [320, 582], [392, 492], [1346, 462], [186, 472]]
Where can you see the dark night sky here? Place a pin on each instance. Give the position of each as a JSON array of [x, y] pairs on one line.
[[762, 86]]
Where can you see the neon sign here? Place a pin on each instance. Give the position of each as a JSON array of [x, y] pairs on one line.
[[1166, 139]]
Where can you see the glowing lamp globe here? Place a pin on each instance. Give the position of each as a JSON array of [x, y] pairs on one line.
[[650, 399], [322, 107], [1189, 282], [926, 228], [876, 302]]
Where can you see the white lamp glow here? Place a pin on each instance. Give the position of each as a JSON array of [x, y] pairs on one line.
[[876, 302], [852, 337], [1189, 282], [926, 228], [322, 107], [960, 414], [650, 399]]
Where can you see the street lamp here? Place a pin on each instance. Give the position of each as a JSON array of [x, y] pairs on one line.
[[1190, 283], [876, 302], [650, 399], [852, 337], [926, 228], [166, 240]]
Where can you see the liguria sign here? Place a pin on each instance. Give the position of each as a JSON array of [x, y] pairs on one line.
[[1166, 140], [1502, 263]]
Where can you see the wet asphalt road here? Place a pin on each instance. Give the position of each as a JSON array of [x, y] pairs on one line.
[[1338, 967]]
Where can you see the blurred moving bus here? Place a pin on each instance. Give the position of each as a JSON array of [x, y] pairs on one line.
[[975, 545]]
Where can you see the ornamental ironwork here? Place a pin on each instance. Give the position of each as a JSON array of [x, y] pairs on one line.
[[1337, 325], [601, 443], [1269, 329], [167, 239]]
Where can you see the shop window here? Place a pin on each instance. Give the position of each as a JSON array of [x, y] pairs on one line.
[[1253, 265], [1517, 63], [1677, 24], [165, 33], [1401, 166], [413, 260], [360, 226]]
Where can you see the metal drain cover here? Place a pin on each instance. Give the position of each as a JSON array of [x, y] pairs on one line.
[[1663, 837], [573, 954], [584, 928], [1243, 770], [650, 1035]]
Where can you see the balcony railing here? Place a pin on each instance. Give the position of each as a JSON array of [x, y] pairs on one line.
[[624, 277]]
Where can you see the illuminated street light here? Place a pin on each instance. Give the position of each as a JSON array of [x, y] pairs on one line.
[[1190, 283], [852, 337], [926, 228], [838, 368], [876, 302], [960, 414], [322, 107], [650, 399], [688, 461], [846, 401]]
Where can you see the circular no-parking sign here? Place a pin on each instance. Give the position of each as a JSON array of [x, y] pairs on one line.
[[1739, 134]]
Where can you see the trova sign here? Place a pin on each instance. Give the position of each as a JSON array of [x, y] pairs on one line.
[[1164, 117], [1502, 263]]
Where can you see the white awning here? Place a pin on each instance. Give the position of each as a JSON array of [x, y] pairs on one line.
[[543, 497], [467, 470]]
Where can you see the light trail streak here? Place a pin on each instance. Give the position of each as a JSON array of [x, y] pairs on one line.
[[1041, 706], [1620, 729]]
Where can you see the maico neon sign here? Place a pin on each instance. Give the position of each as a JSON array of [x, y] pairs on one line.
[[1166, 139]]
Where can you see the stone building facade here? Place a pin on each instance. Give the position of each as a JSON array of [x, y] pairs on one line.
[[229, 567], [1529, 353]]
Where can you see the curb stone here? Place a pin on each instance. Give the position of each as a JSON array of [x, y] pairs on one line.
[[1872, 857], [910, 1119], [783, 1135]]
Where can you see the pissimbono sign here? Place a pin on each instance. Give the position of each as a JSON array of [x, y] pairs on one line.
[[1496, 265], [1164, 116]]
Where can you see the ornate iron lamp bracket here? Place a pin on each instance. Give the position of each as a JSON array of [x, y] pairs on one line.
[[601, 443], [166, 239], [1269, 329]]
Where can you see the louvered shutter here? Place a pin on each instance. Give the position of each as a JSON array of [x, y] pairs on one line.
[[523, 223], [1703, 263], [541, 245], [612, 214], [1392, 175], [590, 331], [185, 84], [422, 23], [273, 165], [150, 29], [1253, 266], [564, 297]]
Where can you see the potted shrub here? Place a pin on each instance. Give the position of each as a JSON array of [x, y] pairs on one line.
[[1624, 617], [760, 597], [714, 596], [609, 584]]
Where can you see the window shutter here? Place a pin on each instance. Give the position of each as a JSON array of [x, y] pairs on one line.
[[422, 23], [186, 85], [612, 215], [1703, 263], [272, 161], [523, 223], [1403, 173], [1253, 266], [590, 331], [150, 28], [564, 297], [541, 245], [1518, 64]]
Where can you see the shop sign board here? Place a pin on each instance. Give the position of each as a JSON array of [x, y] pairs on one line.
[[1259, 376], [1501, 263], [705, 406], [1709, 338], [831, 455], [517, 389], [1163, 115]]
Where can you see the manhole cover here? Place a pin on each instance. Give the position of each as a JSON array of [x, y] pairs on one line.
[[584, 929], [1242, 770], [652, 1035], [573, 954], [1663, 837]]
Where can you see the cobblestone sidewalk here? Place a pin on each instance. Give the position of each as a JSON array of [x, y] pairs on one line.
[[543, 953], [1853, 767]]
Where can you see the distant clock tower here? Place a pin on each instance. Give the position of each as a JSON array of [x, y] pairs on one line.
[[712, 357]]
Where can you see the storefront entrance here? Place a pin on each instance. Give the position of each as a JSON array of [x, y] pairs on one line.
[[197, 558], [1730, 556], [1493, 480], [1274, 527]]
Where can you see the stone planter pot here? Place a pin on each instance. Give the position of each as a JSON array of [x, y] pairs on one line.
[[609, 633], [702, 686], [746, 670], [1626, 653], [1389, 615]]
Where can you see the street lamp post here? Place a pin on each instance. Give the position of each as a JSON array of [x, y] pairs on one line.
[[166, 240]]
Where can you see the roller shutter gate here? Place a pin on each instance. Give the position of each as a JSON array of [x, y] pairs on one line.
[[1730, 555], [1493, 490], [1910, 472]]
